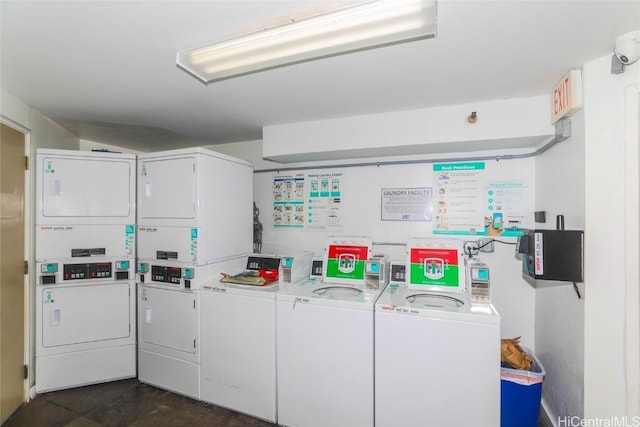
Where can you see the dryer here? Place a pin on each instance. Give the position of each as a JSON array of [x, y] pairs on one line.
[[194, 206], [85, 323], [85, 202], [435, 352], [325, 342], [169, 322]]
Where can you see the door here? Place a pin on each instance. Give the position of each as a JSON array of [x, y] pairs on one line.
[[167, 188], [84, 314], [168, 322], [11, 270], [75, 188]]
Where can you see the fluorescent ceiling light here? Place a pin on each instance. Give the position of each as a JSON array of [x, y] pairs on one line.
[[365, 26]]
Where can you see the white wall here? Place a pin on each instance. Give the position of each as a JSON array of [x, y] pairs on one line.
[[604, 363], [559, 318], [499, 125], [43, 133], [513, 297]]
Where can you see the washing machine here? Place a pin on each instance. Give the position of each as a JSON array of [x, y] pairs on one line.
[[324, 342], [238, 359], [435, 351], [85, 323]]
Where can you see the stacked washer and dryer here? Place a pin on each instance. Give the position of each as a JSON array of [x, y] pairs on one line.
[[195, 217], [85, 256]]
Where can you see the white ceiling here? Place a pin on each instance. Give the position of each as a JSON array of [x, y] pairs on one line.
[[106, 69]]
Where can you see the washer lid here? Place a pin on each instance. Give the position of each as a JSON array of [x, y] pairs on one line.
[[434, 300], [337, 291]]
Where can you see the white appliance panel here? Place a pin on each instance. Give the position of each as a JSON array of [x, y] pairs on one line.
[[170, 373], [54, 242], [183, 241], [84, 314], [324, 369], [55, 372], [76, 188], [238, 363], [167, 188], [422, 362], [167, 322]]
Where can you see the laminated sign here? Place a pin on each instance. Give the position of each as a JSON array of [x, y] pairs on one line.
[[346, 261], [432, 266]]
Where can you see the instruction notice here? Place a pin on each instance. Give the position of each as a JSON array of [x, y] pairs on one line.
[[458, 206], [308, 201], [325, 201], [288, 201], [406, 204], [467, 201]]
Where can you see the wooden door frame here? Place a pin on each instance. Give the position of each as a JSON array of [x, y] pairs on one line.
[[28, 357]]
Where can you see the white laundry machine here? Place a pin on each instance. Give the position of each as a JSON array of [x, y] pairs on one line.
[[238, 344], [194, 206], [434, 351], [85, 204], [85, 323], [85, 253], [195, 220], [325, 342]]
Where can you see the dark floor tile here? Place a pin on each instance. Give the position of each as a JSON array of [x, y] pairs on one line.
[[164, 416], [41, 412], [221, 417], [83, 422], [128, 407], [86, 399]]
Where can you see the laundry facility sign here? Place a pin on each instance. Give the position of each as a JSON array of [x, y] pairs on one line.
[[406, 204]]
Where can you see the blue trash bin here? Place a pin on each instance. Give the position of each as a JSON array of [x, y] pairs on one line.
[[520, 394]]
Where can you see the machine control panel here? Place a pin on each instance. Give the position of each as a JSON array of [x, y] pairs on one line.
[[172, 275], [376, 272], [51, 273], [96, 270], [480, 284], [316, 267], [295, 268], [398, 272]]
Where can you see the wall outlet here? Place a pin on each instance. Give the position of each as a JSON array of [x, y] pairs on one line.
[[485, 245]]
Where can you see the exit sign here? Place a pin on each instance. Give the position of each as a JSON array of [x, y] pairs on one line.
[[566, 96]]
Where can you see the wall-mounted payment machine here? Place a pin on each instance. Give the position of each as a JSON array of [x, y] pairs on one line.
[[398, 272], [376, 272], [51, 273], [295, 268], [552, 254], [479, 282]]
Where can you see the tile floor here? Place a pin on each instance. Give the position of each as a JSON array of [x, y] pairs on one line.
[[124, 403]]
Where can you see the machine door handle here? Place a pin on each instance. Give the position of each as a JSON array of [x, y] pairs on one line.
[[54, 317]]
